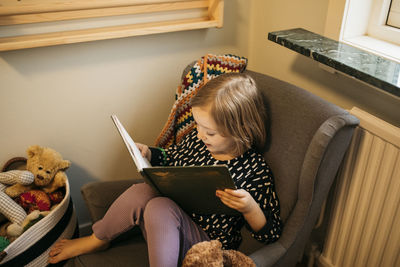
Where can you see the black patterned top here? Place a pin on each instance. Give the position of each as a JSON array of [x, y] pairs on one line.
[[249, 171]]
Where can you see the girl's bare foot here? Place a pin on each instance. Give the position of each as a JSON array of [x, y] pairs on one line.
[[69, 248]]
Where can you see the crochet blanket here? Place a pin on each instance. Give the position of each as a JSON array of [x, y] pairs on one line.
[[180, 120]]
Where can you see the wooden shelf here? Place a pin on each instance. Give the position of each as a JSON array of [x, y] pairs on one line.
[[13, 12]]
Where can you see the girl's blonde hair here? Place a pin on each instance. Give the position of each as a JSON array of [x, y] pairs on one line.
[[237, 107]]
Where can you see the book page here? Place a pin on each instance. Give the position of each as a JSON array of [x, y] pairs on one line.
[[137, 157]]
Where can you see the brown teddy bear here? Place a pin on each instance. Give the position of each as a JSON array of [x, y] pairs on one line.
[[47, 166], [211, 254], [44, 171]]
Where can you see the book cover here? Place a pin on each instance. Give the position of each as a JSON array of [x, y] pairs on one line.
[[191, 187]]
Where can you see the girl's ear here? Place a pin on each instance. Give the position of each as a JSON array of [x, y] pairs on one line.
[[64, 164], [33, 150]]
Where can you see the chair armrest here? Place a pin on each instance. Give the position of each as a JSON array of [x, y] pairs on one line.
[[99, 196], [268, 255]]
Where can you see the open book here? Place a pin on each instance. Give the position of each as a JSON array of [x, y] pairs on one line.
[[191, 187]]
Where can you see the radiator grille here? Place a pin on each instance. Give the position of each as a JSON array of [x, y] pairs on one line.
[[365, 223]]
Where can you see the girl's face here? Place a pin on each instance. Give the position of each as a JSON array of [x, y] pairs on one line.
[[219, 146]]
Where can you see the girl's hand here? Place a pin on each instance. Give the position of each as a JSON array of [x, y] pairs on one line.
[[144, 150], [240, 200]]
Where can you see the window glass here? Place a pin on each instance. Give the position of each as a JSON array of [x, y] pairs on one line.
[[394, 14]]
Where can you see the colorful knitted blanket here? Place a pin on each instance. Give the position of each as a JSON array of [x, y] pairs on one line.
[[180, 120]]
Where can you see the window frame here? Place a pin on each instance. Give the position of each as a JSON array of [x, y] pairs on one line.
[[348, 21], [394, 15], [377, 26]]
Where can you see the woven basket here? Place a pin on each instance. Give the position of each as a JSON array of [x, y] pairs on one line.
[[33, 246]]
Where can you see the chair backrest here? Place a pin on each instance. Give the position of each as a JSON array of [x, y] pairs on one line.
[[307, 141], [295, 116]]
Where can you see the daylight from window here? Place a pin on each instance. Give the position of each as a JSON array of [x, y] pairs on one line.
[[394, 14]]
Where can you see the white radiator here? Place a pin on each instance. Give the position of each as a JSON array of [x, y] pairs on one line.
[[365, 224]]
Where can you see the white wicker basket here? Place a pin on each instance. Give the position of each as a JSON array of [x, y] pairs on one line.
[[33, 246]]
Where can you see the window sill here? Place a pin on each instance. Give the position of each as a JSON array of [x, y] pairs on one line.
[[362, 65], [376, 46]]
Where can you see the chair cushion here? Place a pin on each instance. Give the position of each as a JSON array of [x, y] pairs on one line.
[[119, 254], [99, 196]]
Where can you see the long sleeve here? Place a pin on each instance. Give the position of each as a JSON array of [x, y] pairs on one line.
[[261, 187], [157, 156], [164, 157]]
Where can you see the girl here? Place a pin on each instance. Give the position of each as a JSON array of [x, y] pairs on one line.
[[229, 115]]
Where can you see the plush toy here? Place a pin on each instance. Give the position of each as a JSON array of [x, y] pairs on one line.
[[211, 254], [44, 174], [11, 231], [34, 200], [8, 207], [47, 166]]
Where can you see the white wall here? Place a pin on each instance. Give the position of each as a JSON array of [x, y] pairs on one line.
[[270, 58], [62, 96]]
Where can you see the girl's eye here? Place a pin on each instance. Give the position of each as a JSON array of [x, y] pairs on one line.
[[48, 172], [40, 168], [210, 134]]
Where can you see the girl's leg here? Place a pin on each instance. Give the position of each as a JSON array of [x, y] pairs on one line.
[[169, 232], [123, 214]]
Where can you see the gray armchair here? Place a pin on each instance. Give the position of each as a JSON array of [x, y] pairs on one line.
[[307, 141]]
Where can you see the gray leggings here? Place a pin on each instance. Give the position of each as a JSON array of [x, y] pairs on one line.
[[168, 230]]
